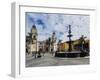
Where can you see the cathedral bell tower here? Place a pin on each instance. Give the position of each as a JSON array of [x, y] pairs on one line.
[[34, 34]]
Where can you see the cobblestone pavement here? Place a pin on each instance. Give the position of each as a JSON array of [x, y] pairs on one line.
[[49, 60]]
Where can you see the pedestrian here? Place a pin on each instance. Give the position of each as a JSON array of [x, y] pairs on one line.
[[43, 52], [52, 51], [39, 53]]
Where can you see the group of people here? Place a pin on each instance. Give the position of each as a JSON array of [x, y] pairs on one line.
[[36, 54], [39, 53]]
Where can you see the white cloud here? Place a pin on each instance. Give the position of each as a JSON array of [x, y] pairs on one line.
[[58, 23]]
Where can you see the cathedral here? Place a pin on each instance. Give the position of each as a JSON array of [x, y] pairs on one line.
[[31, 41], [33, 46]]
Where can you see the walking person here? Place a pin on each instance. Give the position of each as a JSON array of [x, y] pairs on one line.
[[52, 51], [39, 53], [43, 51]]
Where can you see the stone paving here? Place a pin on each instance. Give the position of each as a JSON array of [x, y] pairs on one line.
[[49, 60]]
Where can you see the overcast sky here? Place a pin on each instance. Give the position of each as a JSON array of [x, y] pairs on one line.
[[47, 23]]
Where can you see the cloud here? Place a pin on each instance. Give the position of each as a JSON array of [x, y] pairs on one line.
[[31, 19], [40, 22], [47, 23]]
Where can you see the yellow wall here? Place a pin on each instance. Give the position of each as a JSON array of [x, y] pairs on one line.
[[65, 46]]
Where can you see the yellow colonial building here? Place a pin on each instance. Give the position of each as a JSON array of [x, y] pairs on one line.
[[63, 47]]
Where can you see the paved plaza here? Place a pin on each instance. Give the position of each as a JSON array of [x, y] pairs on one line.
[[49, 60]]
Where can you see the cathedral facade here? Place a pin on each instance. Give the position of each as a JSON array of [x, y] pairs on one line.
[[31, 41], [33, 45]]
